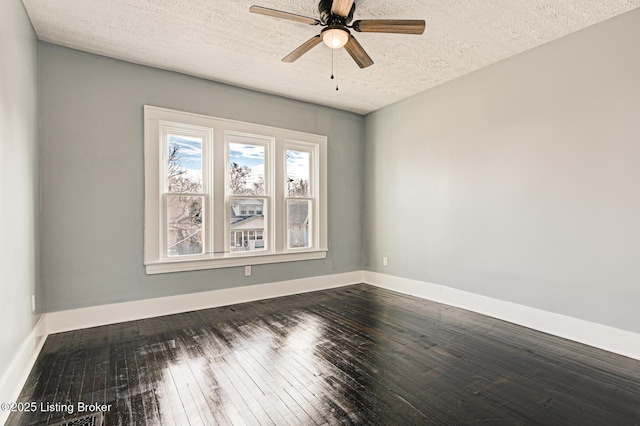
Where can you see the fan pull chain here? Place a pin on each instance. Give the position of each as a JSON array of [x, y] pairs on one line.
[[336, 76], [334, 66]]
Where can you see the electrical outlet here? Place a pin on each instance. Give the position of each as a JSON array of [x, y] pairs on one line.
[[247, 271], [384, 261], [33, 303]]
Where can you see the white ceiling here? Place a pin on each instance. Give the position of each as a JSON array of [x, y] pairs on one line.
[[222, 41]]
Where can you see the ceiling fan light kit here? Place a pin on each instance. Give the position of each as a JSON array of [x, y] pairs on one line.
[[335, 38], [336, 15]]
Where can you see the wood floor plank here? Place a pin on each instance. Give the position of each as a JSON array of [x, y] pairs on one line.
[[171, 409], [249, 411]]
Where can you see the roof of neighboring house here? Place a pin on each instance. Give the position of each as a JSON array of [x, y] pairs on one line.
[[244, 202], [251, 222]]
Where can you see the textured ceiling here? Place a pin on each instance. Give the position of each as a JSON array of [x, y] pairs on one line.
[[222, 41]]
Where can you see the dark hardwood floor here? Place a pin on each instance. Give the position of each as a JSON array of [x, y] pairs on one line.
[[353, 355]]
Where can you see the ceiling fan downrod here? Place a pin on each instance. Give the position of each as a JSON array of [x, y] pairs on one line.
[[328, 18]]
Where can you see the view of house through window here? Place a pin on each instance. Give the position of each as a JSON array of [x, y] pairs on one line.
[[246, 224], [184, 209], [246, 215]]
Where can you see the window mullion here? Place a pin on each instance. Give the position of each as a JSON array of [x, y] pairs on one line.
[[218, 192], [279, 203], [208, 159]]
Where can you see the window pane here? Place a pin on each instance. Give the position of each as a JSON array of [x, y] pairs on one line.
[[246, 169], [298, 223], [184, 171], [184, 225], [297, 174], [246, 224]]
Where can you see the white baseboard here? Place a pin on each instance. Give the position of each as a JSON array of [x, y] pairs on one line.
[[17, 372], [597, 335], [600, 336], [93, 316]]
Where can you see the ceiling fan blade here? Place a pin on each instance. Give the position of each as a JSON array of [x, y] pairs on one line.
[[397, 26], [341, 7], [304, 48], [357, 53], [283, 15]]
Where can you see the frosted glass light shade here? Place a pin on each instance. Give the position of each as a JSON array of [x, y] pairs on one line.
[[335, 38]]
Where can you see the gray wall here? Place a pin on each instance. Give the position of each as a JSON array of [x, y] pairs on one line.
[[92, 177], [19, 191], [520, 181]]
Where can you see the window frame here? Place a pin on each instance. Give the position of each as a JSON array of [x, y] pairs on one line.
[[216, 234], [269, 145], [165, 129], [314, 154]]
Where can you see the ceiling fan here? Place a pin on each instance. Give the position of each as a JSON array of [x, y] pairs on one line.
[[335, 16]]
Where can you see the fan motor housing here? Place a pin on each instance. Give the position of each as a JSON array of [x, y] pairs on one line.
[[327, 18]]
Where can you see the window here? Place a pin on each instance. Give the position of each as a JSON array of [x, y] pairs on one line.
[[221, 193], [184, 194], [247, 179], [298, 196]]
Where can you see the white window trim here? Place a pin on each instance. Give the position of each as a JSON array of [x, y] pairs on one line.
[[155, 259]]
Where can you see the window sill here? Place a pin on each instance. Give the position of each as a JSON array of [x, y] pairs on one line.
[[181, 265]]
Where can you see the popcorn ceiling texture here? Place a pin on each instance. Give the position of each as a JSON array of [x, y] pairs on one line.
[[222, 41]]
